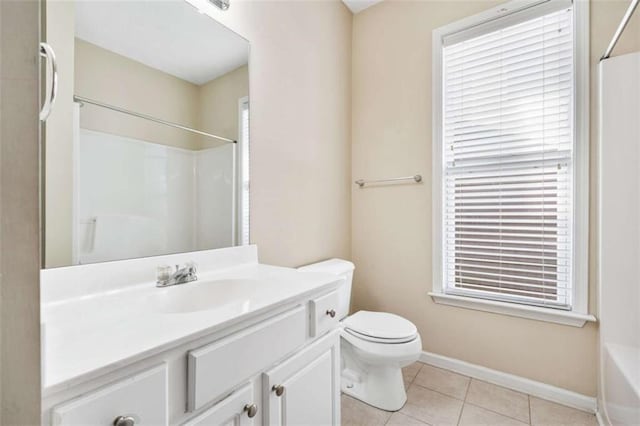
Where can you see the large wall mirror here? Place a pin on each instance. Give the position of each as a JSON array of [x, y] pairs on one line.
[[146, 150]]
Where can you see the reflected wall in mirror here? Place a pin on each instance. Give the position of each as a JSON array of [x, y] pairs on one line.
[[147, 149]]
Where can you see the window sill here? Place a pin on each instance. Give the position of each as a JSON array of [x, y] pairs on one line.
[[556, 316]]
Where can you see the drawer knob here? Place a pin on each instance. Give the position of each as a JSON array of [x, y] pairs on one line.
[[278, 389], [331, 313], [124, 421], [251, 410]]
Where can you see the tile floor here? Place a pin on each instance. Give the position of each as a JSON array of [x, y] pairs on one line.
[[440, 397]]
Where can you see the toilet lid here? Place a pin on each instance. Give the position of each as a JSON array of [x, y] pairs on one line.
[[380, 325]]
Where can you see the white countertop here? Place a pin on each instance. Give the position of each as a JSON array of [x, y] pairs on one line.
[[94, 334]]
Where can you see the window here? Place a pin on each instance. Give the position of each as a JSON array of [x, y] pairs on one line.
[[243, 175], [510, 158]]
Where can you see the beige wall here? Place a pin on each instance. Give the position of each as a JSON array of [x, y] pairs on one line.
[[117, 80], [120, 81], [391, 231], [300, 68], [218, 107], [19, 221]]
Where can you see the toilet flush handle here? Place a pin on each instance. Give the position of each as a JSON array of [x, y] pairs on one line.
[[331, 313]]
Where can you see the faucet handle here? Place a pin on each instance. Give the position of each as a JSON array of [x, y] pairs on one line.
[[163, 273]]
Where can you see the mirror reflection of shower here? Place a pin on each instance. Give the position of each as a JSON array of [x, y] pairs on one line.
[[155, 158]]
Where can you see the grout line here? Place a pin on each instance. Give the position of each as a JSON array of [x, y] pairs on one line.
[[411, 383], [417, 372], [413, 417], [529, 400], [437, 391], [386, 422], [464, 400], [495, 412], [460, 415], [466, 393]]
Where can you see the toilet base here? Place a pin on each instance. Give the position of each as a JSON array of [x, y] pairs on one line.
[[382, 388], [371, 371]]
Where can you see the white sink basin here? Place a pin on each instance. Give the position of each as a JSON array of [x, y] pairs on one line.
[[204, 295]]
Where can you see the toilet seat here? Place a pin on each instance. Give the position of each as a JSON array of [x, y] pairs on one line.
[[378, 339], [380, 327]]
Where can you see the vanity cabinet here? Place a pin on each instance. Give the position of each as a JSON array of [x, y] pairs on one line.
[[305, 389], [278, 368]]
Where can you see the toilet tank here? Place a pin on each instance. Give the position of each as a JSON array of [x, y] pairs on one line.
[[342, 268]]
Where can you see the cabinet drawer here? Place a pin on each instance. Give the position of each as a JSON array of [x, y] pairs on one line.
[[233, 410], [142, 397], [324, 315], [218, 367]]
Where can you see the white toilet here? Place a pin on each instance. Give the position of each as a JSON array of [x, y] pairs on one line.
[[375, 346]]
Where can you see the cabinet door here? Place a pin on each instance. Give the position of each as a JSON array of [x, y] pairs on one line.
[[237, 409], [305, 389]]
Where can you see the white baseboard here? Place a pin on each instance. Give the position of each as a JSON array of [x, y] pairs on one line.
[[517, 383]]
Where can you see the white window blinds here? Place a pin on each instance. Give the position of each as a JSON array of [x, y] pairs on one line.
[[507, 169]]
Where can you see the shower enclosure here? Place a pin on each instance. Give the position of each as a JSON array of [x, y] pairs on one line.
[[619, 232]]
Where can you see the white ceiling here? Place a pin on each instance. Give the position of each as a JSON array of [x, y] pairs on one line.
[[170, 36], [360, 5]]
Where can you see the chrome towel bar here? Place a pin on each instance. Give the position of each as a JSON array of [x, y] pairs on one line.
[[361, 182]]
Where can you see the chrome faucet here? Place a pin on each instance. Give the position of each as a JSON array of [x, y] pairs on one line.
[[186, 274]]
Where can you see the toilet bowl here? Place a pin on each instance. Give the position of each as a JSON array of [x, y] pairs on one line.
[[374, 346]]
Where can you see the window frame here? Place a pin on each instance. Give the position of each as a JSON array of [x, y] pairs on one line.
[[241, 146], [578, 314]]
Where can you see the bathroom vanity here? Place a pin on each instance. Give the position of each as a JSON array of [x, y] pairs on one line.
[[245, 344], [147, 167]]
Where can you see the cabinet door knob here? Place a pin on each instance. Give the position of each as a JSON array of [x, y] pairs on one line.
[[278, 389], [124, 421], [331, 313], [251, 410]]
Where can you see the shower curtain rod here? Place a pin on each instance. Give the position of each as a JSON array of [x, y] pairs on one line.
[[621, 27], [83, 100]]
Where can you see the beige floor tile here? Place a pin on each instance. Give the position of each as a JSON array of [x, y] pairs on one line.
[[410, 372], [431, 407], [550, 414], [443, 381], [498, 399], [472, 416], [355, 413], [399, 419]]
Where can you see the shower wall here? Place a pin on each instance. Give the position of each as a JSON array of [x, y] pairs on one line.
[[619, 233], [135, 198]]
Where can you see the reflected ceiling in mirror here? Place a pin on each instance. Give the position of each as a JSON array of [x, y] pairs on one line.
[[152, 158]]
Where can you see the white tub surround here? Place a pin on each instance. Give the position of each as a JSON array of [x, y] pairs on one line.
[[180, 199], [619, 232], [110, 333]]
